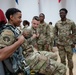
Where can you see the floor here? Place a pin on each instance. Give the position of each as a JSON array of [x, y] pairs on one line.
[[74, 61]]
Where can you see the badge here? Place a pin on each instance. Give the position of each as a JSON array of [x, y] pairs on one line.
[[6, 39]]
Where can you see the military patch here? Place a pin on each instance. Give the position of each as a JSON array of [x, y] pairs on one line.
[[7, 32], [6, 38]]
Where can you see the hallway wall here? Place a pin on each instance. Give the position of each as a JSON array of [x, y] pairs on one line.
[[50, 8]]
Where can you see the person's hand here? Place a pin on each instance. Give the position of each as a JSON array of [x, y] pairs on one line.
[[34, 36], [21, 39], [37, 35]]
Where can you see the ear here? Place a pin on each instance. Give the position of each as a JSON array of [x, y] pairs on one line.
[[11, 17]]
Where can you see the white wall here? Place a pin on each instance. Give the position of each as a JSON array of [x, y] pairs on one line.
[[29, 8], [50, 8], [5, 4]]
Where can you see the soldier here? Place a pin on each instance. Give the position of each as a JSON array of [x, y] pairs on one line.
[[64, 31], [41, 61], [44, 35], [25, 24], [33, 32], [11, 42], [6, 51], [51, 35]]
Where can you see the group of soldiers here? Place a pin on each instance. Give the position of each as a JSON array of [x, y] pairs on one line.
[[31, 50]]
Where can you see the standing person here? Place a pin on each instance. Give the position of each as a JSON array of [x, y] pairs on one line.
[[12, 41], [33, 32], [51, 35], [25, 24], [5, 52], [44, 34], [64, 30]]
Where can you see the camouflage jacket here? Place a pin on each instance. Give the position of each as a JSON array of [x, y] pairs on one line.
[[8, 36], [44, 34], [51, 31], [64, 31]]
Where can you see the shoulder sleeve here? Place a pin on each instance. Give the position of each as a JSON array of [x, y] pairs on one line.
[[6, 38], [73, 28], [56, 29], [48, 34]]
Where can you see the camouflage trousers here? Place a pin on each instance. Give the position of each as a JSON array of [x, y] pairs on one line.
[[66, 51], [42, 47], [50, 55], [42, 64]]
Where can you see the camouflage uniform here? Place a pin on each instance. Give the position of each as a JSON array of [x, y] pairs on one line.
[[64, 32], [25, 27], [43, 64], [44, 37], [74, 39], [33, 42], [43, 61], [7, 38], [51, 36]]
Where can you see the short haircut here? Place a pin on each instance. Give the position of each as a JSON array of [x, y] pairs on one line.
[[64, 9], [41, 14], [26, 22], [36, 18], [50, 23], [11, 11]]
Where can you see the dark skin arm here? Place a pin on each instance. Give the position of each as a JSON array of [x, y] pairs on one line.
[[7, 51]]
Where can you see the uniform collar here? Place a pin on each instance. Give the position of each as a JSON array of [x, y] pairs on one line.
[[11, 25], [67, 21], [43, 24]]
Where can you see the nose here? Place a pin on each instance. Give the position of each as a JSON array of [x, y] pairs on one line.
[[20, 20]]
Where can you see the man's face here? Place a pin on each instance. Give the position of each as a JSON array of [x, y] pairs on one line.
[[62, 14], [35, 24], [16, 19], [41, 18]]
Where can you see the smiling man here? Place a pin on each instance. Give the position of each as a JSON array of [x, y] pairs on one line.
[[11, 42], [64, 31]]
